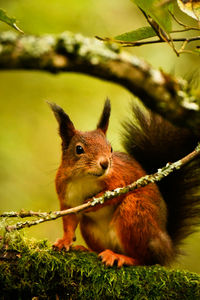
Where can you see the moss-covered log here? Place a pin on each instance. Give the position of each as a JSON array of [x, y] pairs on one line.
[[33, 269], [70, 52]]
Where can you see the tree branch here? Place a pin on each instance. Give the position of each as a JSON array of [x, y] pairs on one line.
[[70, 52], [141, 182], [31, 269]]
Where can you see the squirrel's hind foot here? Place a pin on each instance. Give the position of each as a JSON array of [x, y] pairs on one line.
[[109, 258]]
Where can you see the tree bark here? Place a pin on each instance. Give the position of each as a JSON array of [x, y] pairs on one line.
[[68, 52]]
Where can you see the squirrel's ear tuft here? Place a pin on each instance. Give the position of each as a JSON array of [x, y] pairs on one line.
[[66, 127], [104, 119]]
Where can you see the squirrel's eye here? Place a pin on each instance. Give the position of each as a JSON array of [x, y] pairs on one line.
[[79, 149]]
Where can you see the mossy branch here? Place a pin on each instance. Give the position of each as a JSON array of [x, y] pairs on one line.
[[30, 268], [68, 52], [141, 182]]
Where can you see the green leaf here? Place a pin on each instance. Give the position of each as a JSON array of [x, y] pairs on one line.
[[136, 35], [157, 11], [10, 21]]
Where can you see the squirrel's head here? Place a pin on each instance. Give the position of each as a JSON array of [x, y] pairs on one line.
[[84, 153]]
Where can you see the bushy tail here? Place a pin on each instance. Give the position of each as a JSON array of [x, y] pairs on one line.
[[153, 142]]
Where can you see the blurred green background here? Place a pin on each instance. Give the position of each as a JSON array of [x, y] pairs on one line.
[[30, 146]]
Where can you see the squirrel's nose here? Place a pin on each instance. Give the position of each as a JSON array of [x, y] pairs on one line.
[[104, 163]]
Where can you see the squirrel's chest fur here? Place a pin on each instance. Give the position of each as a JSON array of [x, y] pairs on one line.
[[80, 189], [98, 221], [83, 188]]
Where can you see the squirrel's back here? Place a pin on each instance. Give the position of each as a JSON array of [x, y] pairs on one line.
[[153, 142]]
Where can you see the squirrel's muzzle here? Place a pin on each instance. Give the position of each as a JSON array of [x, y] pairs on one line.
[[104, 163]]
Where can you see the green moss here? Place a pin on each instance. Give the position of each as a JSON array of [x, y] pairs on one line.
[[41, 271]]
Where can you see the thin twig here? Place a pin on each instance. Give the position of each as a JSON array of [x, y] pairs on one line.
[[161, 33], [141, 182], [187, 27], [23, 214], [137, 43]]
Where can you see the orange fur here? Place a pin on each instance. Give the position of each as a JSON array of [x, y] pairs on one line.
[[129, 229]]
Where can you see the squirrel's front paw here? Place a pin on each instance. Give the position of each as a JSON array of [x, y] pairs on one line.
[[62, 244]]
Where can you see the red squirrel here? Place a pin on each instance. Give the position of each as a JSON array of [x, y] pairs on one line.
[[142, 227]]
